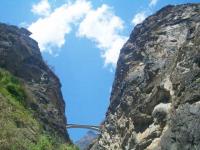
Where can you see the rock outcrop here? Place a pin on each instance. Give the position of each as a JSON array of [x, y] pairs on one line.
[[41, 97], [155, 99], [85, 142]]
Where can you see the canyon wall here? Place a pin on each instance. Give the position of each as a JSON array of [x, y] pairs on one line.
[[155, 99], [31, 103]]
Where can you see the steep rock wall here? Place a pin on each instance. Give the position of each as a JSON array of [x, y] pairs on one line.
[[155, 100], [20, 55]]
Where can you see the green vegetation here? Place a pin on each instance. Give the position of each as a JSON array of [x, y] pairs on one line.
[[48, 143], [11, 88], [19, 130], [198, 80]]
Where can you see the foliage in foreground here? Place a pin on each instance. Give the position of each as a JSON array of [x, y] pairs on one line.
[[18, 127]]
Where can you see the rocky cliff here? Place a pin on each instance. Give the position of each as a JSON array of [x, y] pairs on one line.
[[155, 99], [31, 103]]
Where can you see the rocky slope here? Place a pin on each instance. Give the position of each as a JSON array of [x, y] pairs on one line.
[[86, 140], [31, 103], [155, 100]]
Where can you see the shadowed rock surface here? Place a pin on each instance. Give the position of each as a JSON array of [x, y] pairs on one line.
[[85, 141], [42, 100], [155, 99]]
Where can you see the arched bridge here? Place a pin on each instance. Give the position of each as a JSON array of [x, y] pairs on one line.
[[91, 127]]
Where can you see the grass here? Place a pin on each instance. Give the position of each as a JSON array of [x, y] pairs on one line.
[[10, 87], [18, 127], [46, 142]]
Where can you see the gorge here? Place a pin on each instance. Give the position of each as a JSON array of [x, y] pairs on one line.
[[155, 98]]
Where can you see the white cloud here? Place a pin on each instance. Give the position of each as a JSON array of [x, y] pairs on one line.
[[50, 31], [23, 24], [103, 27], [43, 8], [100, 25], [141, 16], [138, 18], [153, 2]]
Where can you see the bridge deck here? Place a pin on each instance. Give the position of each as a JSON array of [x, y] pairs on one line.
[[91, 127]]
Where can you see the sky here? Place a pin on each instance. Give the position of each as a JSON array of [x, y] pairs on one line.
[[82, 39]]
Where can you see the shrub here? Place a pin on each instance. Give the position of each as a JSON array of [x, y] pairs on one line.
[[16, 92], [47, 142], [18, 127]]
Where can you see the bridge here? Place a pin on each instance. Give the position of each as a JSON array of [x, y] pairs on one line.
[[91, 127]]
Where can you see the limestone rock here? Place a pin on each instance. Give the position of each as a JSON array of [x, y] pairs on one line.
[[155, 99]]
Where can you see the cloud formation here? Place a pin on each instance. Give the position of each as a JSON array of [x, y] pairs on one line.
[[50, 31], [104, 28], [99, 25], [153, 3], [138, 18], [43, 8]]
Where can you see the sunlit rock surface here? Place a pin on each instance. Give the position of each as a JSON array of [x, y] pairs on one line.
[[155, 100]]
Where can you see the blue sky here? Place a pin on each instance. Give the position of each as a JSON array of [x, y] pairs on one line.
[[82, 40]]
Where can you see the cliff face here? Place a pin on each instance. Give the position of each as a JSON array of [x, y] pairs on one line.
[[155, 100], [30, 97]]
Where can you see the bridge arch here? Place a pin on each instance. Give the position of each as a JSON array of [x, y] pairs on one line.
[[91, 127]]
